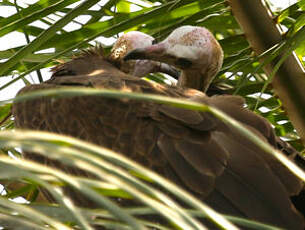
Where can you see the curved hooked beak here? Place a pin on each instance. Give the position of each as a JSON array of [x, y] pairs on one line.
[[154, 52], [157, 54]]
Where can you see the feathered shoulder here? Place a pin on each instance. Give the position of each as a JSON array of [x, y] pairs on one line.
[[83, 62]]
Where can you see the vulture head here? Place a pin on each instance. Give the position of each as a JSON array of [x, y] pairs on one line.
[[192, 49], [136, 40]]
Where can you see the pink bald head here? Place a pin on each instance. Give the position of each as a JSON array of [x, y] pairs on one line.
[[130, 41], [193, 43]]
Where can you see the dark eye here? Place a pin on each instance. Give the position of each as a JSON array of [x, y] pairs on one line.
[[183, 63]]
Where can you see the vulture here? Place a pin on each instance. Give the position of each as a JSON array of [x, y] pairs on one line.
[[193, 149]]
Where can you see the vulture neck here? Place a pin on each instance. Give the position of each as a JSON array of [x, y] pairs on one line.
[[194, 79]]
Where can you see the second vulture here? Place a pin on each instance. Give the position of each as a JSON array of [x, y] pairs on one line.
[[193, 149]]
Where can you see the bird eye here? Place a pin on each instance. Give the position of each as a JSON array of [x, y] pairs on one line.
[[183, 63]]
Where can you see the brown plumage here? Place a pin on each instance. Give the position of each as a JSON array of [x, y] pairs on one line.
[[193, 149]]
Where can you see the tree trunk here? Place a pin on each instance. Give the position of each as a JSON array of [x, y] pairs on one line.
[[289, 81]]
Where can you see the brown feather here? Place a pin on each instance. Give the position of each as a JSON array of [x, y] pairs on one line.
[[196, 151]]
